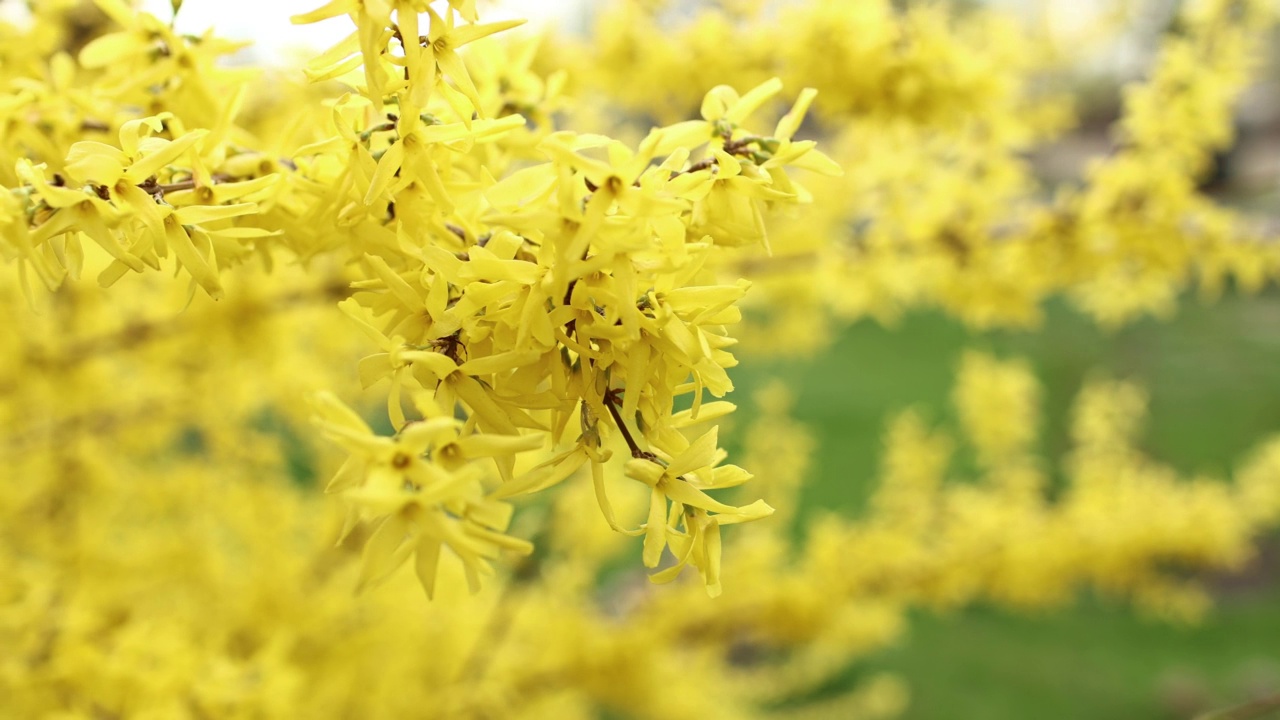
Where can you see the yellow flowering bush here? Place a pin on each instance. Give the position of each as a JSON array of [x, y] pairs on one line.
[[506, 344]]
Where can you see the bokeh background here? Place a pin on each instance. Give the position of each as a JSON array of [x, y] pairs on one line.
[[1213, 372]]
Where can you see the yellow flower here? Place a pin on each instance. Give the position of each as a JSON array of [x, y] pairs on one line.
[[139, 157], [681, 482], [424, 491]]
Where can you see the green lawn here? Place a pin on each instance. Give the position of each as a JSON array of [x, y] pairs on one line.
[[1214, 377]]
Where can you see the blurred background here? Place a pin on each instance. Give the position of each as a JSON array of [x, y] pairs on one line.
[[1213, 372]]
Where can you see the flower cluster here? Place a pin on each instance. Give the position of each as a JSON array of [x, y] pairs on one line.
[[565, 303]]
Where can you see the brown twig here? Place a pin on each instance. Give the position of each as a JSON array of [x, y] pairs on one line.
[[739, 148], [611, 402]]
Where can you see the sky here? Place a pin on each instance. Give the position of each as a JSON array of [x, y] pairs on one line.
[[266, 22]]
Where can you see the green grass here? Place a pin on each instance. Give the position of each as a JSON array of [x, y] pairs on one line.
[[1092, 661], [1213, 373]]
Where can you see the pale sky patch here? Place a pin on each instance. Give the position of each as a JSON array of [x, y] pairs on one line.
[[266, 22]]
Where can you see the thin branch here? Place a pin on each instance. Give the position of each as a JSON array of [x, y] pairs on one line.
[[611, 402]]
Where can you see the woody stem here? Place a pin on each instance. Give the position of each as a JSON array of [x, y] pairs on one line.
[[611, 402]]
